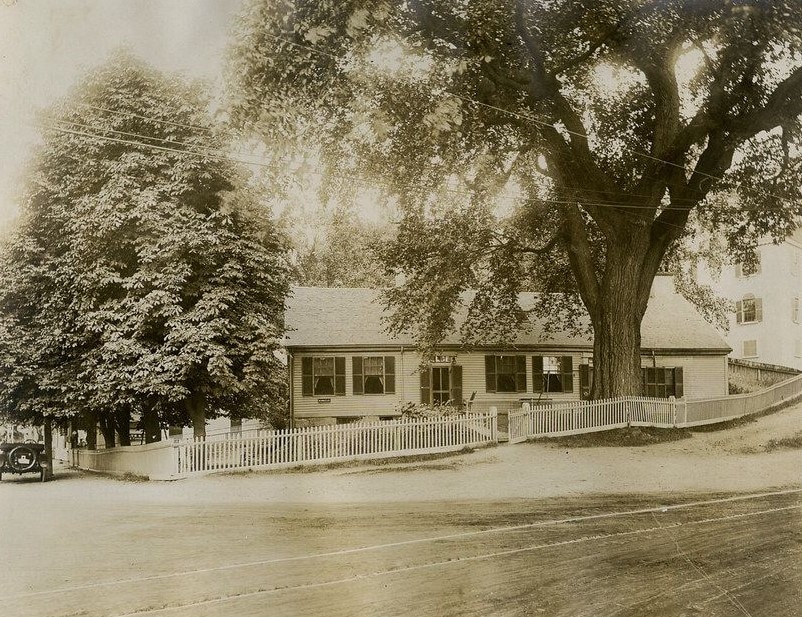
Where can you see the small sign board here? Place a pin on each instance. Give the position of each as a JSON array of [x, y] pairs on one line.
[[443, 359], [324, 400]]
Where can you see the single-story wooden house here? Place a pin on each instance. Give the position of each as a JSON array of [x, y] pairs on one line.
[[343, 366]]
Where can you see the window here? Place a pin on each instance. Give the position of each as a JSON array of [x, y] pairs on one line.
[[750, 349], [552, 374], [441, 384], [749, 310], [795, 309], [373, 374], [662, 382], [323, 376], [505, 373]]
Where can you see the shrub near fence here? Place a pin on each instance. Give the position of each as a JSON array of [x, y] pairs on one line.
[[331, 443]]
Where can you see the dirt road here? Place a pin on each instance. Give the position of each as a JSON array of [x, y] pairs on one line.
[[515, 530]]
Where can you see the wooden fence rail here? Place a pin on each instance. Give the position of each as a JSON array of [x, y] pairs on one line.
[[330, 443], [572, 418]]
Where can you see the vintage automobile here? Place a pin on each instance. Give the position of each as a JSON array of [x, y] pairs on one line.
[[26, 457]]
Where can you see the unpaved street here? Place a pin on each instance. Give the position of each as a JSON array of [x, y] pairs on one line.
[[529, 529]]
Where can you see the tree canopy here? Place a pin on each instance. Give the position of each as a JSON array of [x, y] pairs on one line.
[[563, 141], [143, 276]]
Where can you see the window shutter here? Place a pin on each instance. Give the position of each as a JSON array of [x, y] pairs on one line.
[[537, 373], [358, 380], [758, 309], [520, 373], [490, 373], [389, 374], [306, 376], [339, 376], [568, 373], [425, 387], [643, 381], [739, 311], [456, 386], [584, 381], [679, 386]]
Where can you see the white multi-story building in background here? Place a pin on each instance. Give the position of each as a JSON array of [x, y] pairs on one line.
[[766, 325]]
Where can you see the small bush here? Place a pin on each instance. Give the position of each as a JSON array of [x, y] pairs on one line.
[[421, 410], [786, 443], [620, 437]]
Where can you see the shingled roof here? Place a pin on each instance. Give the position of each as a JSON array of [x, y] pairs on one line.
[[346, 317]]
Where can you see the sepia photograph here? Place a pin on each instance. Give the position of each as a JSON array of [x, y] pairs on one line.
[[389, 308]]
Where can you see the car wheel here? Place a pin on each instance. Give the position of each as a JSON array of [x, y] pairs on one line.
[[22, 459]]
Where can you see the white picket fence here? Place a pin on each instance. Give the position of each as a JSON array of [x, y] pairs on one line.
[[573, 418], [332, 443], [721, 409]]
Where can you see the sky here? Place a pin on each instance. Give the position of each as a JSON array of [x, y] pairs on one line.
[[47, 45]]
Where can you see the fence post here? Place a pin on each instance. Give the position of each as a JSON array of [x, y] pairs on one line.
[[673, 400], [494, 424]]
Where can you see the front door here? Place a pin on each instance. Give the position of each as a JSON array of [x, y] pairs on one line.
[[441, 387]]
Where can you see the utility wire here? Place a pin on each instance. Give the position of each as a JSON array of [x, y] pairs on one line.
[[548, 124], [353, 179], [120, 112]]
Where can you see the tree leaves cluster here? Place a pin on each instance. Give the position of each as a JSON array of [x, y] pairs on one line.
[[580, 135], [143, 277]]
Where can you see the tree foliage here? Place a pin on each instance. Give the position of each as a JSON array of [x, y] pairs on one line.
[[338, 249], [570, 139], [143, 277]]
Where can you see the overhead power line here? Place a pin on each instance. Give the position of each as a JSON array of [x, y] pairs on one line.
[[545, 123], [131, 114]]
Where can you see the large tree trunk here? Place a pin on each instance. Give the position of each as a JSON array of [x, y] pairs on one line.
[[624, 294], [107, 429], [196, 407], [150, 425], [122, 418], [49, 446], [89, 420]]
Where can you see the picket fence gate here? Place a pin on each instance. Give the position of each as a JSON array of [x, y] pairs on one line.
[[332, 443]]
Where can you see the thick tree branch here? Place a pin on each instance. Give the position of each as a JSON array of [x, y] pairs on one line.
[[784, 104], [580, 255]]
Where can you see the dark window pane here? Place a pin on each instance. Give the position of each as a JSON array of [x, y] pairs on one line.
[[324, 385], [373, 384], [506, 382], [554, 383]]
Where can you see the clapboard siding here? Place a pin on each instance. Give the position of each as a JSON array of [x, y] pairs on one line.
[[703, 376], [350, 405]]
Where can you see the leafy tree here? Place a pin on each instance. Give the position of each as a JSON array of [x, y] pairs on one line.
[[141, 279], [340, 250], [571, 140]]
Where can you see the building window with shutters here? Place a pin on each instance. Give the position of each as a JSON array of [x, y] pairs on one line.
[[662, 382], [795, 309], [441, 384], [750, 349], [323, 376], [749, 310], [553, 374], [373, 374], [505, 373]]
